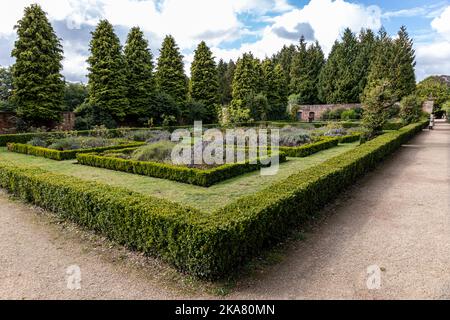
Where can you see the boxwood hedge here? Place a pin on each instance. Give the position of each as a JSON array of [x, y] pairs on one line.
[[199, 177], [311, 148], [62, 155], [205, 244]]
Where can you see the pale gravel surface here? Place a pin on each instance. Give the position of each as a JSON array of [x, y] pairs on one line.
[[398, 218]]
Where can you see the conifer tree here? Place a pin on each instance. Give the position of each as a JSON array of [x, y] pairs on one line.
[[170, 76], [204, 80], [247, 77], [367, 43], [284, 58], [276, 89], [140, 82], [107, 75], [38, 83], [225, 73], [404, 81], [381, 67], [305, 70], [339, 81]]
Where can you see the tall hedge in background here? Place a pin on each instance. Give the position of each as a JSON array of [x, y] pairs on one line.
[[170, 76], [140, 82], [38, 83], [204, 81], [107, 74]]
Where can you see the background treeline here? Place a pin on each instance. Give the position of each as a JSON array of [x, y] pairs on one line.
[[126, 87]]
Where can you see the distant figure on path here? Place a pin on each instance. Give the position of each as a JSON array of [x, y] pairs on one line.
[[431, 125]]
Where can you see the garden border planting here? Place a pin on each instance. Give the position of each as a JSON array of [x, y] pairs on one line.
[[207, 245], [311, 148], [62, 155], [199, 177]]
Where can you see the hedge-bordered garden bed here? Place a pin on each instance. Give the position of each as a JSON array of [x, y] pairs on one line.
[[62, 155], [199, 177], [205, 244]]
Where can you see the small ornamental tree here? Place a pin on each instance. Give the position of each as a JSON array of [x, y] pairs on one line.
[[107, 75], [377, 100], [38, 83], [410, 108]]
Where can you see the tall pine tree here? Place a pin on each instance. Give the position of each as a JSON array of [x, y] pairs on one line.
[[107, 76], [404, 63], [284, 57], [140, 82], [38, 83], [225, 73], [305, 70], [275, 89], [170, 76], [204, 80], [367, 45], [247, 79]]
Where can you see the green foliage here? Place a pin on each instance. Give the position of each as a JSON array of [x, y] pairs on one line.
[[305, 70], [338, 80], [170, 76], [349, 115], [204, 81], [259, 106], [6, 89], [275, 90], [410, 109], [284, 58], [159, 152], [204, 178], [61, 155], [207, 245], [248, 77], [38, 83], [225, 79], [196, 110], [377, 100], [140, 79], [394, 61], [165, 106], [309, 149], [107, 76], [75, 95], [432, 88]]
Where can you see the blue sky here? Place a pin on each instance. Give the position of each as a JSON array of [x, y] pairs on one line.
[[231, 27]]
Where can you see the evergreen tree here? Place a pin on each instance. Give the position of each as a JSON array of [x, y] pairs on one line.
[[404, 77], [381, 67], [305, 70], [367, 43], [140, 82], [170, 76], [38, 83], [284, 57], [107, 76], [339, 80], [275, 91], [328, 76], [247, 79], [225, 73], [204, 80]]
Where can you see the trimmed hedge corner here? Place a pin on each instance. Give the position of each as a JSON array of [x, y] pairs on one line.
[[62, 155], [311, 148], [204, 244], [204, 178]]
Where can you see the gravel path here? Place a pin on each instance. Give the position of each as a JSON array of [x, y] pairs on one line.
[[397, 218]]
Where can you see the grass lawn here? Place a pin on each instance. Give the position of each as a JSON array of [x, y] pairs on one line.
[[207, 199]]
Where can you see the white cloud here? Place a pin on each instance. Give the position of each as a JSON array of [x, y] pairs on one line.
[[432, 59], [327, 18], [441, 23]]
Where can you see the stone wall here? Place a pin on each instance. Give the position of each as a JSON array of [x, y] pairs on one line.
[[315, 112], [8, 122]]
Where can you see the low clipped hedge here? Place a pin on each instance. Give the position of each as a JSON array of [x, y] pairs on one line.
[[204, 244], [350, 138], [311, 148], [62, 155], [199, 177]]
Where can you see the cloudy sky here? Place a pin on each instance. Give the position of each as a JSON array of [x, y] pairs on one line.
[[232, 27]]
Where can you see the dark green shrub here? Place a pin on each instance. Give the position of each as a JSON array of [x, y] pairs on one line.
[[309, 149]]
